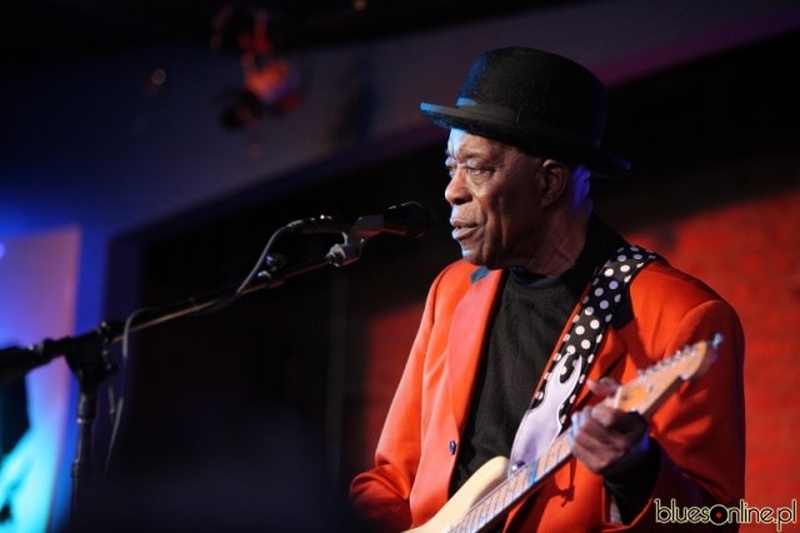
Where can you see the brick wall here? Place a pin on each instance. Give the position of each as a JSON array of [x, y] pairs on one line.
[[750, 254]]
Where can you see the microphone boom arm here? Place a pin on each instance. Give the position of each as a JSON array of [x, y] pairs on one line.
[[87, 354], [17, 361]]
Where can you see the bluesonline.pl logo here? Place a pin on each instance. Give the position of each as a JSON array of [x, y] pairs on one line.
[[725, 514]]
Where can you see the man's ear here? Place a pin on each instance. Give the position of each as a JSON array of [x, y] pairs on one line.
[[555, 176]]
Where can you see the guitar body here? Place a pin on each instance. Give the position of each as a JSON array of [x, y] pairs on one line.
[[483, 481]]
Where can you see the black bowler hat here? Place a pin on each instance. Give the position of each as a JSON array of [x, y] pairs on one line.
[[540, 102]]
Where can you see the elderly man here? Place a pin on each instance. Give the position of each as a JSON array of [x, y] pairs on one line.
[[524, 342]]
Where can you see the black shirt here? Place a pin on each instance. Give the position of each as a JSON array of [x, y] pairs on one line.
[[529, 314]]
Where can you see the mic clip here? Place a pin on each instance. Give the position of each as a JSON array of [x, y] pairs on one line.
[[347, 252]]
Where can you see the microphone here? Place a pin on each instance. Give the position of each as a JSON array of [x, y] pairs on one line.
[[409, 219]]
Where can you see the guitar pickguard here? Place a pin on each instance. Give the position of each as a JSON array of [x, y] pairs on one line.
[[540, 424]]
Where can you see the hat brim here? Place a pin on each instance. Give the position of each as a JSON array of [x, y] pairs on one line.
[[532, 139]]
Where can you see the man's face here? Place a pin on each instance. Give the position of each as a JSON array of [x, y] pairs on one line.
[[495, 198]]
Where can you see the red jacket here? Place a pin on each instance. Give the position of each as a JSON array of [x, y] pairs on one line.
[[700, 428]]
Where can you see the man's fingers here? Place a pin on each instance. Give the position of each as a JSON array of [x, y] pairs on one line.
[[607, 440], [603, 387]]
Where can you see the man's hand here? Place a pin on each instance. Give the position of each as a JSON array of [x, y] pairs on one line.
[[608, 441]]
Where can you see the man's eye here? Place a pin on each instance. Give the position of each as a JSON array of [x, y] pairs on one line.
[[476, 171], [471, 170]]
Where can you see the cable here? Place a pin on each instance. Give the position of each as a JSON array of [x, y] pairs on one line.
[[117, 406], [257, 267]]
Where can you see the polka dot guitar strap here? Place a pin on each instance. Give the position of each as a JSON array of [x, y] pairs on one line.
[[574, 355]]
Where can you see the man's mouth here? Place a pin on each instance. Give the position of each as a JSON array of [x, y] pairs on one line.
[[462, 230]]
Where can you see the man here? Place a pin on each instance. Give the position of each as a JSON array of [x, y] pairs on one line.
[[524, 138]]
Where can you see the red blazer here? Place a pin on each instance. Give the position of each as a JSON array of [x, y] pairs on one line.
[[700, 428]]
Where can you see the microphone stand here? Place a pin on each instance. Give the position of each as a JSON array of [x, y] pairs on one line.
[[89, 359]]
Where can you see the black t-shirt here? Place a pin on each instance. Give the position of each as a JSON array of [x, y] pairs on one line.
[[529, 315]]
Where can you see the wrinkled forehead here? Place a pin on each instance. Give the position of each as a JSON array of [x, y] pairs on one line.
[[462, 144]]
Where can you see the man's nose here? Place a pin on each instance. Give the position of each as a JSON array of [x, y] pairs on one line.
[[457, 191]]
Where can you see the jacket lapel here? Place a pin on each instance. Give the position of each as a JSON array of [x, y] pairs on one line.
[[467, 337]]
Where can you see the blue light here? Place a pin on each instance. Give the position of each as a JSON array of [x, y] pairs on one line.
[[37, 304]]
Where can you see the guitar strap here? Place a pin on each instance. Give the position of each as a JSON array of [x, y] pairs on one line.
[[573, 356]]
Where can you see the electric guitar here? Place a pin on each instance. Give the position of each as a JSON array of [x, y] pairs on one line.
[[487, 496]]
